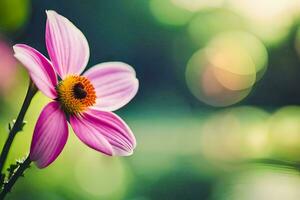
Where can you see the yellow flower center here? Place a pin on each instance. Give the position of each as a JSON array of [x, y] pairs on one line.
[[75, 94]]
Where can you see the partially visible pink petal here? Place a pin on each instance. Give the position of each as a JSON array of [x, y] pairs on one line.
[[115, 84], [89, 135], [104, 130], [67, 46], [39, 68], [50, 135]]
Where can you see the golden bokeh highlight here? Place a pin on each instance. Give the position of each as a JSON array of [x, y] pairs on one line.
[[204, 85], [225, 71], [252, 53]]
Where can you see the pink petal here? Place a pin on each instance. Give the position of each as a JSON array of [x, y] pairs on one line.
[[115, 84], [39, 68], [66, 45], [104, 132], [50, 135]]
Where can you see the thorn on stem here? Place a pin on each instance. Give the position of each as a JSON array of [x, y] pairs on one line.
[[23, 124]]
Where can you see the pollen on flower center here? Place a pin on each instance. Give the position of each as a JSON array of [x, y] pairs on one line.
[[75, 94]]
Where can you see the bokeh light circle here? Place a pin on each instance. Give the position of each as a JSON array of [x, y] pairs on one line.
[[225, 71], [167, 13], [246, 49], [234, 67], [285, 132], [270, 20], [101, 177], [235, 134], [196, 5], [209, 23], [203, 84]]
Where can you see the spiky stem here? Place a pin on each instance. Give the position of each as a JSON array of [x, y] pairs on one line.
[[16, 175], [18, 125]]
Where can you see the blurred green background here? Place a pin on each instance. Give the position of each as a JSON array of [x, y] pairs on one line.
[[219, 86]]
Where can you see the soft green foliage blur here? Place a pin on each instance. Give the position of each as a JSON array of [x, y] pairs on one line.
[[219, 90], [14, 13]]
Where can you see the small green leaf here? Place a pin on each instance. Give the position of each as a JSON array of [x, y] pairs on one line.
[[23, 124], [11, 125]]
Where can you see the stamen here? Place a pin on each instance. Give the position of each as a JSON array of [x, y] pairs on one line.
[[79, 91], [75, 94]]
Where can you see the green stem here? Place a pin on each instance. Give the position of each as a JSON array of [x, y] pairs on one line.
[[18, 125], [19, 173]]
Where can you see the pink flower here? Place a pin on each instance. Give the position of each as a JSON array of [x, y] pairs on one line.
[[8, 68], [86, 100]]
